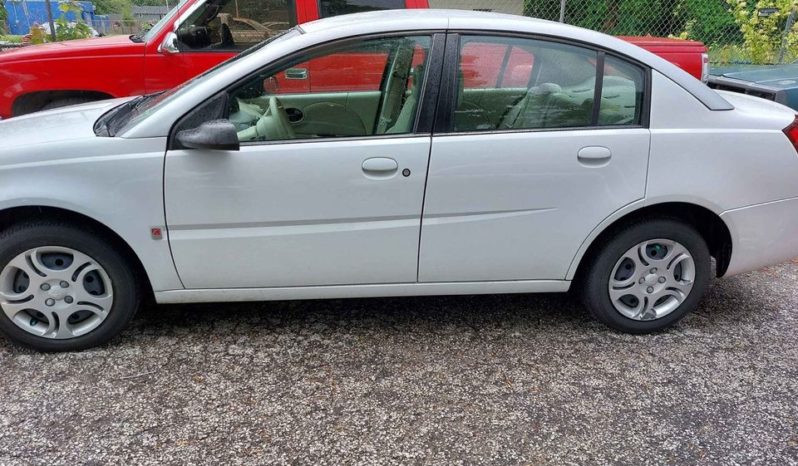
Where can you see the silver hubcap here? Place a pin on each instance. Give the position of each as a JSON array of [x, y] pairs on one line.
[[55, 292], [652, 279]]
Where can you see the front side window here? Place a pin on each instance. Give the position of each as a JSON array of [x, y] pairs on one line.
[[367, 88], [507, 83], [234, 25], [329, 8]]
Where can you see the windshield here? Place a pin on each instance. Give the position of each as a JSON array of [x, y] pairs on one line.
[[146, 105], [155, 29]]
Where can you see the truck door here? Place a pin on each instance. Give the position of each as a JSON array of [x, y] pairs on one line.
[[209, 32]]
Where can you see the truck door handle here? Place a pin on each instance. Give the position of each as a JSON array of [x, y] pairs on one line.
[[594, 156], [380, 166], [296, 73]]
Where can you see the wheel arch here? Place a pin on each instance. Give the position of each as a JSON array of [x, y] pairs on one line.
[[35, 100], [709, 224], [14, 215]]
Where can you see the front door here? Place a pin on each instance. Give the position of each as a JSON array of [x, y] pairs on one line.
[[545, 141], [327, 188]]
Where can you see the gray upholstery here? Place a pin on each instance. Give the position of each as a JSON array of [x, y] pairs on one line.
[[408, 112]]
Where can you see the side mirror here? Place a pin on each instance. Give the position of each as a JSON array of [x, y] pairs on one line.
[[212, 135], [169, 44]]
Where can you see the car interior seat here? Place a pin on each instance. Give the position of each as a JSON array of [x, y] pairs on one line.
[[407, 113]]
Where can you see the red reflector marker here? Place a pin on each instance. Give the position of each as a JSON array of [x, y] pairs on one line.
[[792, 133]]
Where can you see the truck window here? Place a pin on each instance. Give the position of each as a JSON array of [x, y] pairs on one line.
[[344, 7], [234, 25]]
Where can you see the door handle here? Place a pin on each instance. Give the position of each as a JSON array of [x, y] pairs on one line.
[[594, 156], [296, 73], [380, 166]]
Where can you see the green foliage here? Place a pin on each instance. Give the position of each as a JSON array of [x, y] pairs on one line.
[[710, 22], [11, 39], [64, 29], [3, 19], [172, 3], [763, 35], [619, 17], [104, 7], [37, 35], [732, 29]]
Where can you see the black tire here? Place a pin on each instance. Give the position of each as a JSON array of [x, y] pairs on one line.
[[595, 281], [126, 291], [58, 103]]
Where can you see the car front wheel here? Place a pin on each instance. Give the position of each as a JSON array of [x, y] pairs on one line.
[[646, 277], [63, 288]]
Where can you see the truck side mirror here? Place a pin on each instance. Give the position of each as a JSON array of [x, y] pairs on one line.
[[169, 44]]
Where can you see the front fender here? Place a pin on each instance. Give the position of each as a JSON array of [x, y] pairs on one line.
[[114, 75], [95, 178]]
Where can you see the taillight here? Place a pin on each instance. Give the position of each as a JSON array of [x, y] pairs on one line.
[[704, 67], [792, 133]]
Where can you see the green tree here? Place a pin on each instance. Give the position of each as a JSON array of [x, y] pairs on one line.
[[104, 7], [3, 19], [66, 30], [763, 35], [711, 22]]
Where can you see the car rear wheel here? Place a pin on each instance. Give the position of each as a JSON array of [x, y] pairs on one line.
[[647, 276], [63, 288]]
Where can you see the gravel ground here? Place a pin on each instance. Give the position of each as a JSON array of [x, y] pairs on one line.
[[455, 380]]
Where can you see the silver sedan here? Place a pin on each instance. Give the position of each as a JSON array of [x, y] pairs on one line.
[[395, 154]]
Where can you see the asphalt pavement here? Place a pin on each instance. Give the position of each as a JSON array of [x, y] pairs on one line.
[[517, 379]]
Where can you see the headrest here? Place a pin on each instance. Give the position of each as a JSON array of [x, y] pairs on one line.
[[545, 89]]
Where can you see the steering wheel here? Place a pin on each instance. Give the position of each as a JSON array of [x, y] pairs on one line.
[[273, 125]]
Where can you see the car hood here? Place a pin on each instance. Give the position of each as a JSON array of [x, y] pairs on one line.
[[98, 46], [773, 76], [57, 125]]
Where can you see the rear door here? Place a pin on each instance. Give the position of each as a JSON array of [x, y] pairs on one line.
[[524, 163]]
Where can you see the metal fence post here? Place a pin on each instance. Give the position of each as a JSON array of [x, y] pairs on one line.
[[50, 19], [787, 29]]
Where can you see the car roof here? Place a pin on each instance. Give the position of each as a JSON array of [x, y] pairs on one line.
[[351, 26], [454, 20]]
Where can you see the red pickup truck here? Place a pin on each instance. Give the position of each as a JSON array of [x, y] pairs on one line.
[[198, 34]]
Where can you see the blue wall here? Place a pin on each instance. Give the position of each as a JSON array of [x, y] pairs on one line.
[[22, 14]]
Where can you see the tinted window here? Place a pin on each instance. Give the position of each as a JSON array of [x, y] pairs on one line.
[[368, 88], [513, 83], [621, 93], [343, 7], [234, 24]]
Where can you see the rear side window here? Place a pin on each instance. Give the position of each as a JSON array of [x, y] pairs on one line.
[[329, 8], [507, 83]]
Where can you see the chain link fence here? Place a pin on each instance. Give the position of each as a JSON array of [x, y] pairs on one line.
[[735, 31]]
